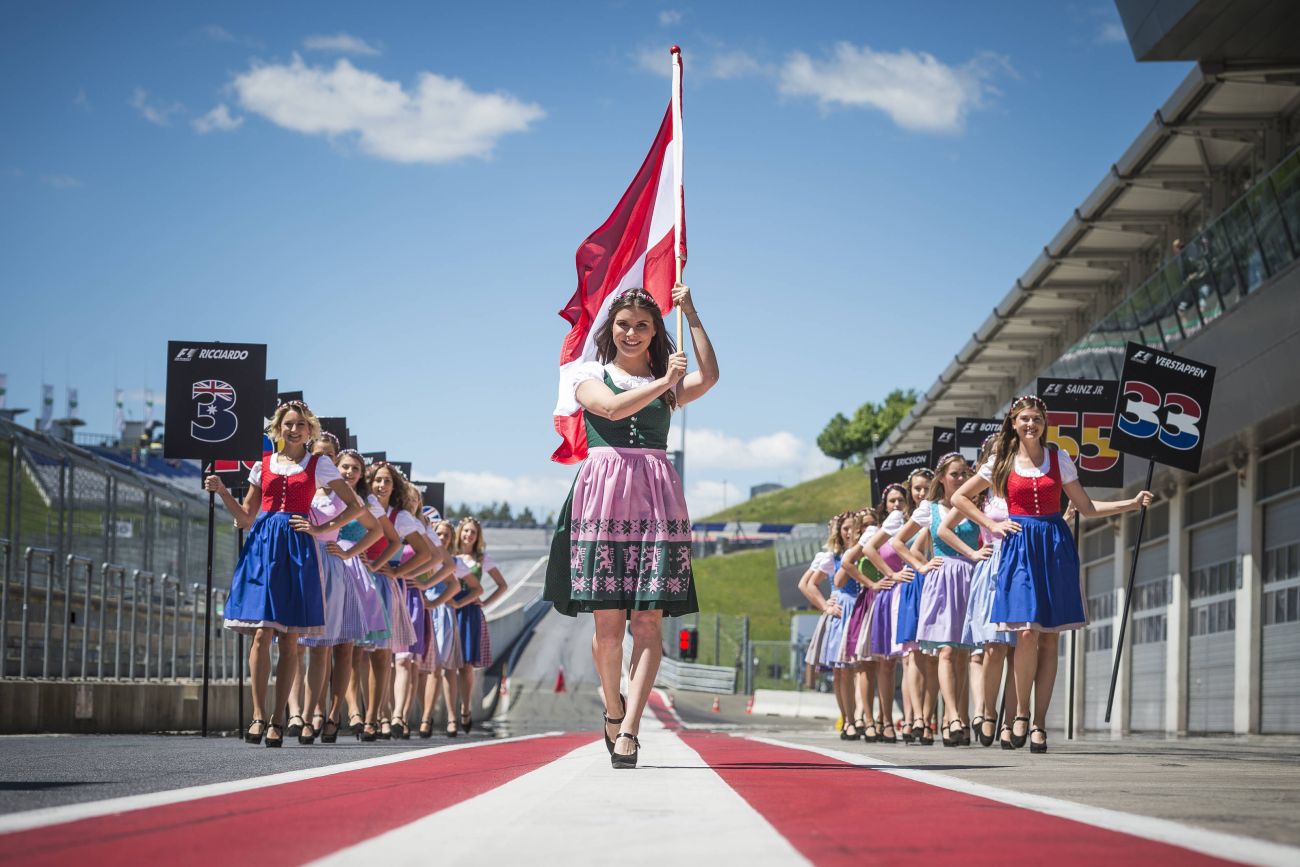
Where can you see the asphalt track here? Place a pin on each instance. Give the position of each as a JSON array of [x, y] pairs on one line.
[[725, 786]]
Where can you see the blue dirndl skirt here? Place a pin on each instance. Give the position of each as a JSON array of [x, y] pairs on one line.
[[1038, 578], [979, 630], [277, 582], [835, 627], [475, 642], [909, 611]]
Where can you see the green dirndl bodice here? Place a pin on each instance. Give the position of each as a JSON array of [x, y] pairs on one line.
[[623, 538]]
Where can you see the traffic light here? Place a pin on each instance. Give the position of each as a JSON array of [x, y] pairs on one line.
[[688, 642]]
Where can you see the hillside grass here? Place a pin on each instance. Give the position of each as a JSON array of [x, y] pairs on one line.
[[737, 584], [813, 501]]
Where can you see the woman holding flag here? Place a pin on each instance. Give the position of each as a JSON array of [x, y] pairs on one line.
[[622, 546]]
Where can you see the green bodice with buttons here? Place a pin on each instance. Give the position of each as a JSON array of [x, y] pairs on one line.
[[647, 428]]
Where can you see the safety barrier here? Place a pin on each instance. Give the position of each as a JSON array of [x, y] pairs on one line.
[[65, 619]]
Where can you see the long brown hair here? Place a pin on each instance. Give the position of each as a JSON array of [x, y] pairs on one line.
[[1008, 442], [936, 484], [661, 345], [399, 497]]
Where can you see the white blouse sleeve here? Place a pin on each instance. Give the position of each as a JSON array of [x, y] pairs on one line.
[[824, 562], [1069, 472], [894, 522], [326, 472], [488, 563], [433, 538], [255, 475], [986, 471], [585, 371], [372, 503], [921, 517], [405, 524]]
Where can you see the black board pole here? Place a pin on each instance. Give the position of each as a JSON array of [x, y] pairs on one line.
[[1074, 649], [239, 641], [207, 614], [1128, 593]]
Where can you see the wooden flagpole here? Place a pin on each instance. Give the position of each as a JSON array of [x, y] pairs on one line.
[[679, 204]]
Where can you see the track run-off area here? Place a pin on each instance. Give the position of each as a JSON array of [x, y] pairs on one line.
[[722, 788]]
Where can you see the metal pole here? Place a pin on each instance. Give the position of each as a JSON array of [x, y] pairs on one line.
[[1128, 593], [4, 603], [748, 653], [239, 641], [717, 639], [49, 599], [207, 616], [1074, 646]]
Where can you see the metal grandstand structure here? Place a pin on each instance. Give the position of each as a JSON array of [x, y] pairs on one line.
[[1111, 273]]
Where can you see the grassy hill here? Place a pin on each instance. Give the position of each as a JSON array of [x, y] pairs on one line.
[[742, 583], [812, 501]]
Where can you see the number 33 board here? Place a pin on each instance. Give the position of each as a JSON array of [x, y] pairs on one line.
[[1163, 408], [215, 393], [1079, 416]]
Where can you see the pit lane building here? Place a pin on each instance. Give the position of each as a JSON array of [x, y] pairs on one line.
[[1189, 243]]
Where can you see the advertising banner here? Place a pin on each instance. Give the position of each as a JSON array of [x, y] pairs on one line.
[[1163, 407], [1079, 416], [214, 400]]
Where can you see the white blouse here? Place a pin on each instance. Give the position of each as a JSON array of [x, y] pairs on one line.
[[1069, 473], [326, 472], [892, 525], [488, 563], [595, 370], [824, 562]]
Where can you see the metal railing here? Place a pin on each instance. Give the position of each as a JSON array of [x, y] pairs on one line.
[[68, 620]]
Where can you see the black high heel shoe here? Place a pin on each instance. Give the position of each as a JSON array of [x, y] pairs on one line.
[[908, 736], [1006, 743], [399, 729], [609, 745], [307, 737], [1018, 741], [1036, 747], [452, 729], [295, 728], [426, 729], [328, 737], [965, 735], [844, 732], [891, 738], [467, 722], [385, 735], [356, 722], [863, 727], [978, 725], [367, 734], [250, 738], [955, 739], [274, 743], [619, 760]]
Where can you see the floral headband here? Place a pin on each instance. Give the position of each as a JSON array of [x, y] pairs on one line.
[[893, 486], [947, 458], [297, 404], [639, 295], [326, 435], [1029, 400]]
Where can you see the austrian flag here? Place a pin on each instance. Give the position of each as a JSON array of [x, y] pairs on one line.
[[642, 243]]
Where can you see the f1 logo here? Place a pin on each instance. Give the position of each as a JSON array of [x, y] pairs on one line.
[[1141, 357], [186, 354]]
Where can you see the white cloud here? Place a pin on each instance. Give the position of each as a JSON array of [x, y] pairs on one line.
[[155, 112], [1112, 33], [725, 63], [217, 33], [543, 495], [669, 17], [438, 120], [217, 120], [61, 182], [82, 101], [917, 91], [339, 43], [714, 450], [707, 497]]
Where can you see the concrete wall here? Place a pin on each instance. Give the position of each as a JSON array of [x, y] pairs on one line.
[[30, 706]]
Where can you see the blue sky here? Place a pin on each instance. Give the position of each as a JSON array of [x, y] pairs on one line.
[[390, 197]]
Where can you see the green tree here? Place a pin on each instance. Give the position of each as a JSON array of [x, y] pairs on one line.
[[527, 518], [872, 422], [504, 513], [834, 439]]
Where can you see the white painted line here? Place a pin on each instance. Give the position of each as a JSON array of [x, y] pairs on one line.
[[576, 809], [1230, 847], [92, 809]]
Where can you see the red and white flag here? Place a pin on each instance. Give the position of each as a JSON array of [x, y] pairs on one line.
[[636, 246]]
